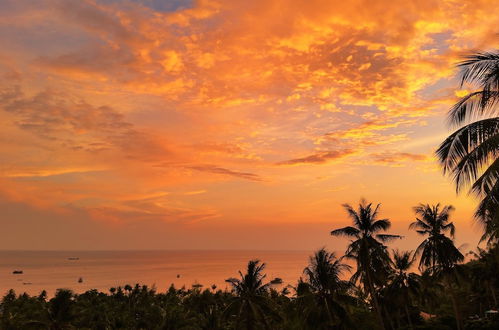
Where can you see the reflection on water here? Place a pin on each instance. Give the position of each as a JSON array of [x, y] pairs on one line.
[[105, 269]]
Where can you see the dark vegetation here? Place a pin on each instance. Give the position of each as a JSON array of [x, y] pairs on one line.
[[430, 287]]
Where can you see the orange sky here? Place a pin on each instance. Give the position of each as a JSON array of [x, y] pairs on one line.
[[220, 124]]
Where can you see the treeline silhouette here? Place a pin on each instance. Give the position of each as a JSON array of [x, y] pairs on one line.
[[385, 290]]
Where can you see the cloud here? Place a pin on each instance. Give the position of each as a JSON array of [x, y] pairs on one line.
[[161, 207], [203, 10], [223, 171], [319, 158], [195, 192], [368, 134], [143, 49], [49, 112], [75, 124], [42, 173], [141, 215], [393, 158], [223, 147], [93, 17]]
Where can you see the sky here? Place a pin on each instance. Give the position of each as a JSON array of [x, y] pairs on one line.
[[222, 124]]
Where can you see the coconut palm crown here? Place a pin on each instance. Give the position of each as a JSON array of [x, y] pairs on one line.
[[437, 251], [471, 153], [367, 248]]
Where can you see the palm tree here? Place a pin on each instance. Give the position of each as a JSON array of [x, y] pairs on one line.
[[251, 304], [438, 252], [327, 290], [404, 284], [471, 153], [367, 248]]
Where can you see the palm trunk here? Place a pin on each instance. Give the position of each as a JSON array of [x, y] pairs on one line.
[[408, 317], [456, 312], [375, 300], [454, 306], [433, 263], [330, 316], [406, 306], [250, 317], [493, 294], [390, 321]]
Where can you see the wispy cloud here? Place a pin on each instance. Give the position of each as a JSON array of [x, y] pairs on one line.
[[195, 192], [392, 158], [42, 173], [319, 158], [59, 119], [224, 171]]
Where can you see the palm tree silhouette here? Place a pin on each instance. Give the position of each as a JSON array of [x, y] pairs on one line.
[[324, 292], [471, 153], [251, 304], [438, 253], [367, 248]]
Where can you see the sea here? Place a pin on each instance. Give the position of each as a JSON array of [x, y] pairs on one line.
[[84, 270]]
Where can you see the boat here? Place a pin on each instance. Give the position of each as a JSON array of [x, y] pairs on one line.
[[80, 280], [17, 272], [73, 258]]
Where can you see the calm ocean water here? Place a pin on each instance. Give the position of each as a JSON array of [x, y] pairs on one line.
[[105, 269]]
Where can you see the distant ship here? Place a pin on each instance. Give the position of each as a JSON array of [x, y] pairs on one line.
[[80, 280], [73, 258], [17, 272]]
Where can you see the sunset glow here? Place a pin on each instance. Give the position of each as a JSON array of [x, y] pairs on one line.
[[219, 124]]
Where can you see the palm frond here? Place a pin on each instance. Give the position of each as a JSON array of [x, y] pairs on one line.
[[468, 168], [353, 214], [461, 142], [488, 208], [387, 237], [473, 106], [475, 66], [484, 184], [451, 228], [348, 231], [419, 224], [471, 153], [381, 225]]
